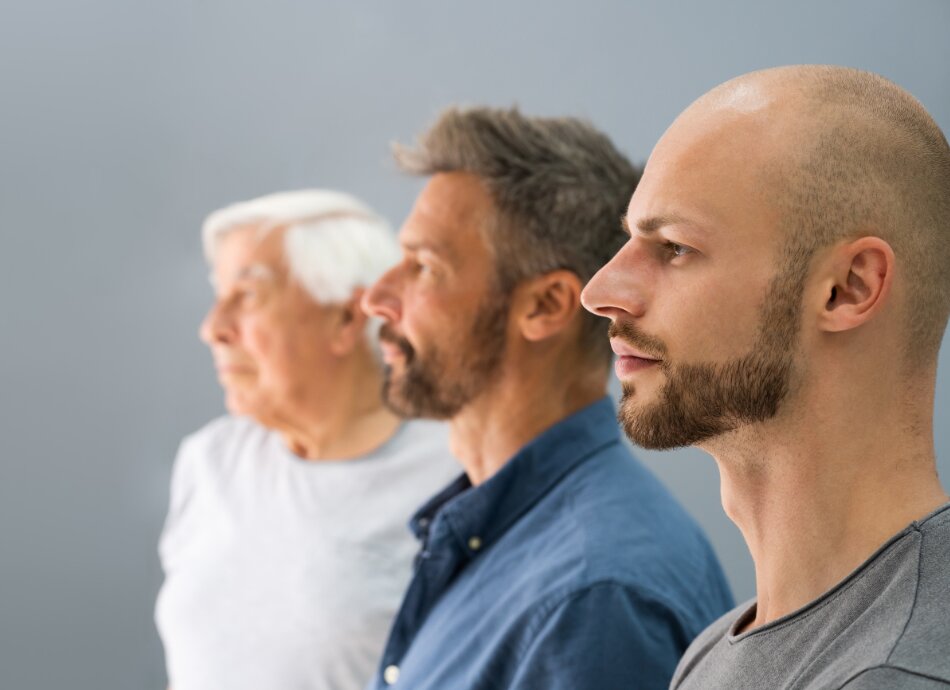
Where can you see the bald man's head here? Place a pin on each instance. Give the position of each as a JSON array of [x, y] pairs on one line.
[[790, 237], [852, 155]]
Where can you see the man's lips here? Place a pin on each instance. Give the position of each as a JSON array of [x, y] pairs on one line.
[[622, 348], [392, 346], [630, 360], [226, 368], [626, 366], [391, 351]]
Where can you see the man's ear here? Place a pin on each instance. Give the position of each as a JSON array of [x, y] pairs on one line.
[[547, 304], [349, 326], [858, 283]]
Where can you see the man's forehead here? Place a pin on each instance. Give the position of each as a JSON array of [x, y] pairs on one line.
[[453, 198], [448, 215], [708, 177], [250, 251]]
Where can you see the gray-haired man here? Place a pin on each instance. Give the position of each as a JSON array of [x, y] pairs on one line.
[[557, 560]]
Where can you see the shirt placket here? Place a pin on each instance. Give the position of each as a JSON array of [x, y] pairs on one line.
[[436, 565]]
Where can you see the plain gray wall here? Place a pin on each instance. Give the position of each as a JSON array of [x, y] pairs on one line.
[[123, 123]]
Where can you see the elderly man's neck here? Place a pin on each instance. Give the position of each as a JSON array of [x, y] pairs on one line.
[[526, 399], [819, 489]]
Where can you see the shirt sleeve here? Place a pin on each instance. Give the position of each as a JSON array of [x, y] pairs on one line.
[[889, 678], [606, 637], [179, 497]]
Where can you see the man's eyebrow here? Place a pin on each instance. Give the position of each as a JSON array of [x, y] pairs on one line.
[[648, 225], [654, 223], [252, 272], [256, 272], [437, 248]]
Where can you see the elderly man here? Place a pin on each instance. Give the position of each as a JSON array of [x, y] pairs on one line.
[[786, 317], [557, 560], [285, 549]]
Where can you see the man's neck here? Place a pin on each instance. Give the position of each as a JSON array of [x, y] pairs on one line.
[[347, 420], [522, 404], [818, 491]]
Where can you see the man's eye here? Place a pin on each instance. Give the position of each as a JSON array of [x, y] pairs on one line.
[[247, 295], [676, 250]]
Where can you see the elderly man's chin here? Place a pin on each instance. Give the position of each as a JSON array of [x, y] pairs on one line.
[[238, 403]]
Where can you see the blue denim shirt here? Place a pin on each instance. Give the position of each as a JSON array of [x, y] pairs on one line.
[[570, 568]]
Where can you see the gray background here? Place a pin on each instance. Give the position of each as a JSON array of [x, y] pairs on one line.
[[123, 123]]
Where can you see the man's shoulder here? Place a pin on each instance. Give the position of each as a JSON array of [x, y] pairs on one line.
[[704, 643], [223, 440], [420, 441], [223, 428], [924, 645], [611, 524], [623, 518]]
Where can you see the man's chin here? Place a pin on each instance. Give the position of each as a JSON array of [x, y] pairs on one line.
[[645, 427], [393, 397], [238, 405]]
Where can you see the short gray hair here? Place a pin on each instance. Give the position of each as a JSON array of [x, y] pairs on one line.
[[559, 185], [333, 244]]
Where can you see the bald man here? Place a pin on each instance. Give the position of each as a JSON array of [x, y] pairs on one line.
[[786, 317]]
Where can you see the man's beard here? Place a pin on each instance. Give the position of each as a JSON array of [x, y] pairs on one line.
[[702, 401], [432, 386]]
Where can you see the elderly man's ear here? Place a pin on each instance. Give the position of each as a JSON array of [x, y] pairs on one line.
[[349, 325], [546, 305]]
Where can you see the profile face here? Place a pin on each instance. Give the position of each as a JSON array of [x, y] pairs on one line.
[[270, 340], [445, 322], [705, 318]]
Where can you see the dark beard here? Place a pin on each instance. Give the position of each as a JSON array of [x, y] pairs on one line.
[[430, 387], [701, 401]]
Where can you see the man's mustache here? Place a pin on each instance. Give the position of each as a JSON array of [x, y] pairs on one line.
[[642, 341], [387, 334]]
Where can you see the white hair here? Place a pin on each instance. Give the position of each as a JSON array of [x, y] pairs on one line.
[[334, 243]]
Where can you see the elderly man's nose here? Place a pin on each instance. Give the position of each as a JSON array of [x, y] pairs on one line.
[[216, 326]]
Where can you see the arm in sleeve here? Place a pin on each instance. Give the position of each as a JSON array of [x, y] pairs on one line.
[[180, 495], [890, 678], [606, 637]]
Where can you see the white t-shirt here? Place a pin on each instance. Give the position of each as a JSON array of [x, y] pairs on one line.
[[282, 573]]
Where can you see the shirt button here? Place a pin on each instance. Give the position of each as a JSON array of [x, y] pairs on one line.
[[391, 674], [423, 522], [474, 543]]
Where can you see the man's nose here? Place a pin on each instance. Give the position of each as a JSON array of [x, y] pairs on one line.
[[217, 327], [618, 287], [381, 299]]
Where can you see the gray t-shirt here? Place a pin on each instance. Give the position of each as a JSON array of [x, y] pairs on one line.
[[887, 626]]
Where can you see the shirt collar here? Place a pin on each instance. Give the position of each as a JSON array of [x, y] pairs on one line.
[[478, 516]]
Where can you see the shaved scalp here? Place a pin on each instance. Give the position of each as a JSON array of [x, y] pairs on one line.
[[863, 157]]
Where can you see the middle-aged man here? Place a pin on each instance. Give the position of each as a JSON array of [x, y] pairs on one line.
[[556, 560], [780, 303], [285, 549]]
